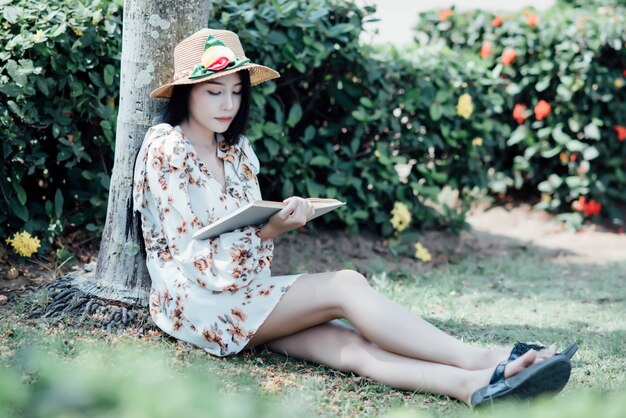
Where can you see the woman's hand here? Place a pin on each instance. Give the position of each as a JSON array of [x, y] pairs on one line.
[[297, 212]]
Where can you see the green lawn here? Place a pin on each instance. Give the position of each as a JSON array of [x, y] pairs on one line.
[[490, 302]]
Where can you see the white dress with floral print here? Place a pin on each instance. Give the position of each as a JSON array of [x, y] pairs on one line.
[[212, 293]]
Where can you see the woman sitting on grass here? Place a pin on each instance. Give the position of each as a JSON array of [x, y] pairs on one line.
[[195, 167]]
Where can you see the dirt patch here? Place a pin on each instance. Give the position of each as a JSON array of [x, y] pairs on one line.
[[591, 244], [496, 231]]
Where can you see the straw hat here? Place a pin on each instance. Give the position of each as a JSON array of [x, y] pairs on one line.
[[208, 54]]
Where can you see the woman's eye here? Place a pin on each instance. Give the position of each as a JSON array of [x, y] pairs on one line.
[[214, 93], [237, 92]]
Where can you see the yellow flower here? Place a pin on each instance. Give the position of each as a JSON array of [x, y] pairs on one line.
[[24, 244], [422, 254], [477, 142], [464, 106], [401, 216], [377, 154], [77, 31], [618, 83], [545, 197]]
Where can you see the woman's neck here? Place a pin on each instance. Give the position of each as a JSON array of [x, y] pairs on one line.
[[198, 135]]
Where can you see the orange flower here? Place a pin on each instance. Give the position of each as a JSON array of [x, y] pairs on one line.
[[486, 49], [444, 14], [621, 132], [589, 208], [532, 19], [496, 21], [508, 56], [519, 113], [542, 110]]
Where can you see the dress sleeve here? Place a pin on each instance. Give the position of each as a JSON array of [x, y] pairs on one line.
[[228, 262]]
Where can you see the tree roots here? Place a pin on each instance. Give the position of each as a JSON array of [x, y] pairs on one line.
[[66, 301]]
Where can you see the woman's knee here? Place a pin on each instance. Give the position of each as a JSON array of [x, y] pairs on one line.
[[353, 350], [352, 279]]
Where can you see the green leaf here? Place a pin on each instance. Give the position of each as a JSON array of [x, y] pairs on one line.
[[564, 93], [543, 84], [19, 210], [272, 146], [590, 153], [10, 90], [277, 38], [436, 111], [592, 131], [320, 160], [11, 14], [361, 115], [42, 84], [337, 179], [109, 74], [559, 136], [518, 135], [575, 145], [295, 114], [272, 129], [58, 203], [21, 193]]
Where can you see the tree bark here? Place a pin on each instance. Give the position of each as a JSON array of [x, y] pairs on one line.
[[151, 30]]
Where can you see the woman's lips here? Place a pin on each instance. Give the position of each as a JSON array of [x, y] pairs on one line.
[[225, 119]]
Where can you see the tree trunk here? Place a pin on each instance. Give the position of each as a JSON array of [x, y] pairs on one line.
[[151, 30]]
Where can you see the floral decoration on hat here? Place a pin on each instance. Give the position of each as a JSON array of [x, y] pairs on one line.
[[216, 57]]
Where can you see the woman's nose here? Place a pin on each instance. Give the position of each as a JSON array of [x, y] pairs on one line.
[[227, 103]]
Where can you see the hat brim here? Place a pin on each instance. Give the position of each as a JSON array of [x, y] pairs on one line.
[[258, 74]]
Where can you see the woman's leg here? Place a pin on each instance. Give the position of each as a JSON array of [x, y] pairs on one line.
[[318, 298], [343, 348]]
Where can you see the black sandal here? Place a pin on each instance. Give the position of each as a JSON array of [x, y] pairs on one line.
[[548, 376]]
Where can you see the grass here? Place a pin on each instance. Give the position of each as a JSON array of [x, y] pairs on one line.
[[490, 302]]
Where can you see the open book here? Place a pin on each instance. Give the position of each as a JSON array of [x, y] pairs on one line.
[[257, 213]]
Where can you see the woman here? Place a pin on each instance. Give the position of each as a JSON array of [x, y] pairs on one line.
[[195, 167]]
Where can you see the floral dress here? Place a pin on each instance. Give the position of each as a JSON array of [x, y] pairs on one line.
[[211, 293]]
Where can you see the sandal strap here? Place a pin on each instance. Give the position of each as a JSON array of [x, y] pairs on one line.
[[498, 374], [519, 349]]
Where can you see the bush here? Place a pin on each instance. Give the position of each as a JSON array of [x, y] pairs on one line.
[[560, 81], [59, 83], [427, 127], [125, 382], [333, 125]]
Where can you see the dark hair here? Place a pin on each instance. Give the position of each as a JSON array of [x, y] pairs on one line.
[[177, 109]]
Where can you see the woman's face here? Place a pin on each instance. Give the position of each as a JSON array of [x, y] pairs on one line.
[[214, 104]]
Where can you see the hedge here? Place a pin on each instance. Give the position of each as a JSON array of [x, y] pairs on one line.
[[59, 82], [559, 78], [419, 128]]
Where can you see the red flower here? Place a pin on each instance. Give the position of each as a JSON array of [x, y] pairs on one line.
[[532, 19], [444, 14], [218, 64], [486, 49], [508, 56], [573, 157], [519, 113], [496, 21], [621, 132], [542, 110], [589, 208]]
